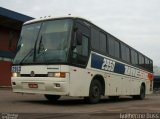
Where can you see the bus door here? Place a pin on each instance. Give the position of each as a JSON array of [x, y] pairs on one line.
[[80, 54]]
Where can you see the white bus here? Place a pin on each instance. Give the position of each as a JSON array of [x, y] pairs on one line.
[[70, 56]]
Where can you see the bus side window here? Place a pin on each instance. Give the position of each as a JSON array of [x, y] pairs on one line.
[[80, 53], [103, 43], [147, 63], [141, 60], [85, 40], [82, 49], [95, 40], [125, 53]]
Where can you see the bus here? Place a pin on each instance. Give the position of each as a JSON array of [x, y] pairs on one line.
[[71, 56]]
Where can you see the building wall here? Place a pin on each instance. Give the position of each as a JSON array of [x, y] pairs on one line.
[[5, 70], [8, 39], [8, 42]]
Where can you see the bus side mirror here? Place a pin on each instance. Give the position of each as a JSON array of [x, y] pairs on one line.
[[79, 37]]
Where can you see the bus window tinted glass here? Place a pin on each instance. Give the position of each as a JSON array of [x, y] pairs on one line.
[[116, 49], [102, 42], [125, 52], [141, 60], [110, 45], [134, 57], [151, 66], [95, 38], [147, 63]]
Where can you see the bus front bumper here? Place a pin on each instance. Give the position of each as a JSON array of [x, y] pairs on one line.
[[40, 85]]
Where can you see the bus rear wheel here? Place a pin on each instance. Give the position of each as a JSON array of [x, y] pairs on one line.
[[141, 96], [52, 98], [94, 93]]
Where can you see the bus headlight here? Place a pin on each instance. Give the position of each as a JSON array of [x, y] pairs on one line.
[[14, 74], [57, 74]]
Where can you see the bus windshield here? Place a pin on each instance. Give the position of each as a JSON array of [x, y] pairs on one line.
[[44, 42]]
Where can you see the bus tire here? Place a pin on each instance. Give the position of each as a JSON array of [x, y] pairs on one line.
[[141, 96], [94, 92], [52, 98]]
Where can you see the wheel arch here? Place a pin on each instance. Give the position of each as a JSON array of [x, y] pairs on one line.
[[100, 78]]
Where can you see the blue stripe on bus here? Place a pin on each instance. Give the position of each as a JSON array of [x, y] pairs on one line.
[[97, 62], [119, 68], [107, 64]]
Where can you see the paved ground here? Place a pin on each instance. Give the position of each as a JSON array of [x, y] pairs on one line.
[[36, 106]]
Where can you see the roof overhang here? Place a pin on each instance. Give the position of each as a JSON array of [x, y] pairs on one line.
[[11, 19]]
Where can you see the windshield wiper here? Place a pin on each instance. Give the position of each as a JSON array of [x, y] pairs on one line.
[[41, 45], [41, 49], [28, 54]]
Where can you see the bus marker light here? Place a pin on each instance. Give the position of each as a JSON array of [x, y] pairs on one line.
[[150, 76], [57, 74], [14, 74]]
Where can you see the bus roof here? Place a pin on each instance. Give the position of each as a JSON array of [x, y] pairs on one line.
[[50, 18]]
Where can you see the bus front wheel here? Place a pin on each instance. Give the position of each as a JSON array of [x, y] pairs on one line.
[[52, 98], [94, 93]]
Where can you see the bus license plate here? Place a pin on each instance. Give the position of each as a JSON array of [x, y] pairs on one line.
[[33, 85]]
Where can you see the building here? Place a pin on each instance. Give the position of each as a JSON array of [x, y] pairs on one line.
[[10, 27]]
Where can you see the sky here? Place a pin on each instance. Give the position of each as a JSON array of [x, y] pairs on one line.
[[135, 22]]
